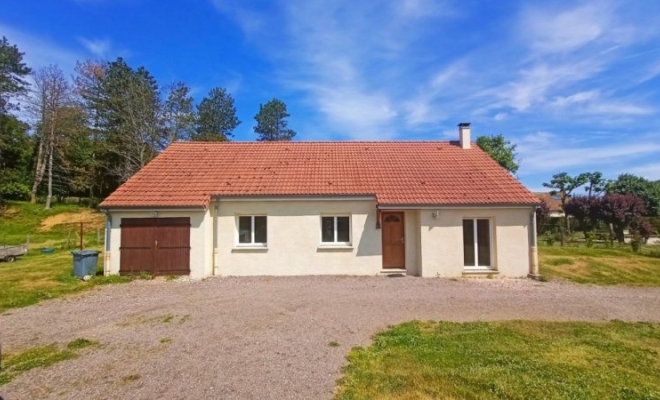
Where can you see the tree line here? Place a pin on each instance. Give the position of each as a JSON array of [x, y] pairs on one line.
[[629, 202], [87, 134]]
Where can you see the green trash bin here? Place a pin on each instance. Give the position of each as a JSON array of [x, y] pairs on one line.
[[85, 262]]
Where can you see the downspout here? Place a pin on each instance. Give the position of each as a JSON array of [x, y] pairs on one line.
[[214, 251], [533, 248], [107, 253]]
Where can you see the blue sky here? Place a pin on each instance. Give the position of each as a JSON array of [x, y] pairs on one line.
[[575, 84]]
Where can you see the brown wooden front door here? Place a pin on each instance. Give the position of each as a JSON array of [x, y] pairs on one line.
[[159, 246], [394, 252]]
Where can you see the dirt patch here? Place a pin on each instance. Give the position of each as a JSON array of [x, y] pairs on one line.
[[91, 219], [8, 211]]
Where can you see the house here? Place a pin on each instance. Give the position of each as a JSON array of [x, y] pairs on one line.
[[553, 202], [431, 209]]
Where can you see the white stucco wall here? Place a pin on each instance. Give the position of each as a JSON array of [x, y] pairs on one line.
[[442, 240], [201, 237], [434, 247], [294, 239]]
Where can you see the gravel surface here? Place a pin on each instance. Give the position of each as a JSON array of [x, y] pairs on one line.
[[265, 338]]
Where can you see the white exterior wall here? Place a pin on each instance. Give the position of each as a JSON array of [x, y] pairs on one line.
[[442, 240], [201, 236], [294, 239], [434, 247]]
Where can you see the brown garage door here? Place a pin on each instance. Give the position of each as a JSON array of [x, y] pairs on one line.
[[159, 246]]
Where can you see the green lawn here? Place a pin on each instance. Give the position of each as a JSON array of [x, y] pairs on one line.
[[507, 360], [39, 276], [600, 266]]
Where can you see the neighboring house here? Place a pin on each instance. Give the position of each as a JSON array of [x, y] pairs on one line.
[[553, 202], [301, 208]]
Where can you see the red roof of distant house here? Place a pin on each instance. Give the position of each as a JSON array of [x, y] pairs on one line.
[[396, 173], [553, 202]]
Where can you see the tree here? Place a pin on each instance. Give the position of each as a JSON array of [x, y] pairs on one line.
[[621, 210], [563, 185], [216, 117], [585, 210], [125, 104], [12, 74], [178, 116], [15, 157], [640, 187], [272, 123], [51, 98], [595, 183], [500, 150]]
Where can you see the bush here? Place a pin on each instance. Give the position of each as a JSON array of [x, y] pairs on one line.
[[14, 191], [636, 242], [550, 237]]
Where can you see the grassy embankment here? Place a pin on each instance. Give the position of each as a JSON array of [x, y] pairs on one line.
[[39, 276]]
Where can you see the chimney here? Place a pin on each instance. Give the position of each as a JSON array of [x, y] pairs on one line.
[[464, 134]]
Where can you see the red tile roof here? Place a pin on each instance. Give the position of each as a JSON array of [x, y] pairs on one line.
[[553, 202], [396, 173]]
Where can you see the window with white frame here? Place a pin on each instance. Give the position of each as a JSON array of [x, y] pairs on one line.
[[336, 229], [476, 243], [252, 230]]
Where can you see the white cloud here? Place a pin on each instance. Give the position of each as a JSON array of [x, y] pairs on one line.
[[549, 152], [500, 116], [649, 171], [41, 51], [580, 97], [100, 48], [566, 30]]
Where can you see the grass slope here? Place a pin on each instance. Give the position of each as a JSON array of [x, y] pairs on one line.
[[512, 360], [618, 266], [39, 276]]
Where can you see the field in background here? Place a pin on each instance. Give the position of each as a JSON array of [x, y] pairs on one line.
[[38, 276], [601, 266]]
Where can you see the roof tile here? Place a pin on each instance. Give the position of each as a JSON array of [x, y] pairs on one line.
[[397, 173]]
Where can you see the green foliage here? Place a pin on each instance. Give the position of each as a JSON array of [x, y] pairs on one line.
[[216, 117], [563, 185], [37, 276], [643, 188], [506, 360], [178, 115], [501, 150], [12, 74], [81, 343], [272, 124], [15, 158], [40, 357]]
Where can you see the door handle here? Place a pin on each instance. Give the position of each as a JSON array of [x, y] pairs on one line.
[[156, 243]]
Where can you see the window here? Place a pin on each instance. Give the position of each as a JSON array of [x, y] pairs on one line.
[[336, 230], [476, 243], [252, 230]]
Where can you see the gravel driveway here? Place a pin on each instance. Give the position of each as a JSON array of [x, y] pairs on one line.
[[265, 338]]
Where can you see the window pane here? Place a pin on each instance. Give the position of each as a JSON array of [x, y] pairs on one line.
[[483, 240], [260, 230], [343, 229], [327, 229], [468, 242], [244, 229]]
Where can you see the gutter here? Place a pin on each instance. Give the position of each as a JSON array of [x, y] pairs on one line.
[[384, 206]]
